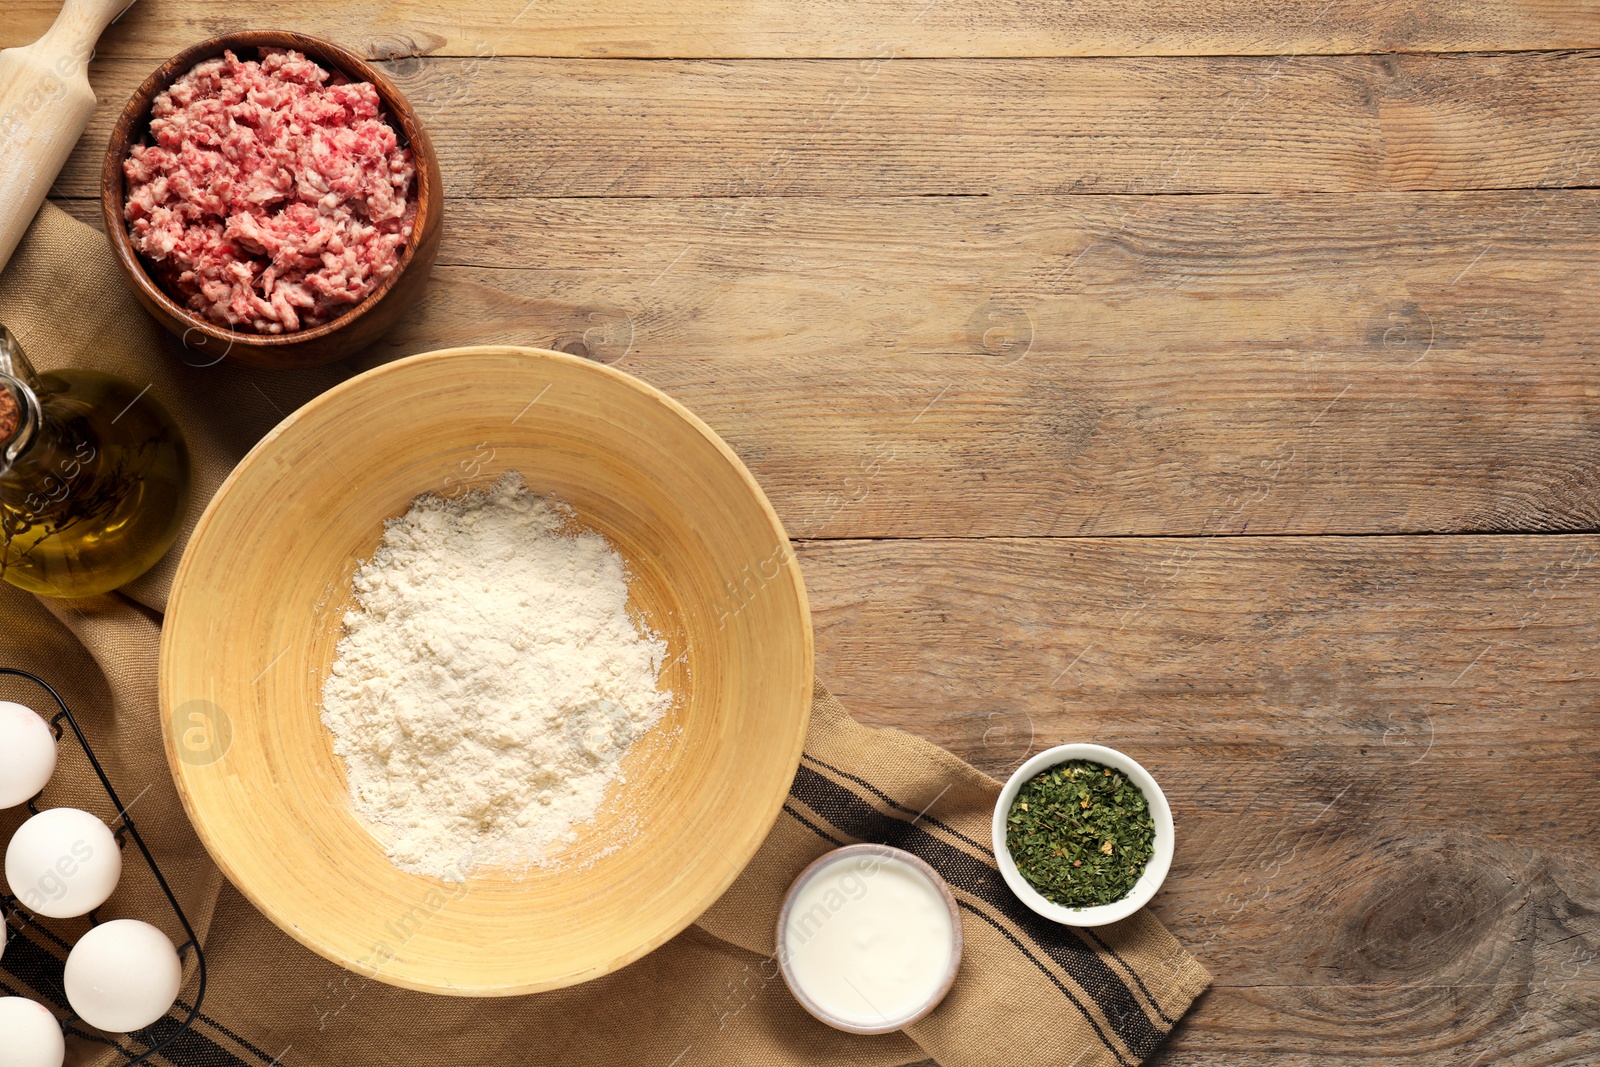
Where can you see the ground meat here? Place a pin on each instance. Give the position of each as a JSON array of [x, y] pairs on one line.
[[274, 197], [10, 415]]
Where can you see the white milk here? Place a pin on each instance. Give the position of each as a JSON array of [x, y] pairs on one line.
[[869, 939]]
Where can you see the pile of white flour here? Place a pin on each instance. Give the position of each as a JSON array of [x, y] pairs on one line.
[[489, 679]]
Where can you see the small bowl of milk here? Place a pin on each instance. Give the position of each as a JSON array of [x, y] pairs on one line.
[[869, 939]]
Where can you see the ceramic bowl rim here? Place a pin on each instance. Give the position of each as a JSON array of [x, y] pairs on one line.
[[829, 858], [1155, 872]]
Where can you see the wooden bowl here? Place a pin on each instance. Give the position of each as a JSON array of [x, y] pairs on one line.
[[363, 323], [256, 610]]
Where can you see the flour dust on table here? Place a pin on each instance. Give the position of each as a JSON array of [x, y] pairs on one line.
[[489, 681]]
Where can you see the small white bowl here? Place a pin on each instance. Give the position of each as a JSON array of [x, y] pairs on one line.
[[1155, 871], [867, 854]]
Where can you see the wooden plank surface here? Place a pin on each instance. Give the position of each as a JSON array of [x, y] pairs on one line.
[[928, 280], [986, 366], [1380, 754], [849, 28], [895, 127]]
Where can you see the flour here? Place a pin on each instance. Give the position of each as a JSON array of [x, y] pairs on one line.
[[488, 682]]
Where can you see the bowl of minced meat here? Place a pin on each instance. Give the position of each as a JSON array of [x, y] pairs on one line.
[[268, 195]]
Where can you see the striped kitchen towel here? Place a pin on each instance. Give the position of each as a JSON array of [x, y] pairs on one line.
[[1029, 994], [1044, 993]]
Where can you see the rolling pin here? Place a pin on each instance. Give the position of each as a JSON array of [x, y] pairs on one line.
[[45, 104]]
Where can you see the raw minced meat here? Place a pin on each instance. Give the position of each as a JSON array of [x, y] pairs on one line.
[[275, 195], [10, 416]]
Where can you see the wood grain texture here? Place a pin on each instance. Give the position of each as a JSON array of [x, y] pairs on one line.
[[1380, 750], [987, 366], [850, 28], [1380, 753], [887, 126]]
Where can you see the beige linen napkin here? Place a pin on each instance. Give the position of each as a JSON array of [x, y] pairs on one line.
[[1029, 992]]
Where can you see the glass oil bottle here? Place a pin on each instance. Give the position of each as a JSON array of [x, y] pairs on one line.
[[94, 478]]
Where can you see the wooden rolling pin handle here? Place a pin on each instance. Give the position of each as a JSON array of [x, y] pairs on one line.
[[45, 104], [79, 26]]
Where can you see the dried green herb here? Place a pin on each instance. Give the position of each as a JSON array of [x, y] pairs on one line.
[[1080, 833]]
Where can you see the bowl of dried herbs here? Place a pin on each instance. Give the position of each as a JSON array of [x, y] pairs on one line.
[[1083, 835]]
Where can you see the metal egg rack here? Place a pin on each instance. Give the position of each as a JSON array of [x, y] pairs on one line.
[[166, 1030]]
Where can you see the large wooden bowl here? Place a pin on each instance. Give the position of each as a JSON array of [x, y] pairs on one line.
[[337, 338], [255, 613]]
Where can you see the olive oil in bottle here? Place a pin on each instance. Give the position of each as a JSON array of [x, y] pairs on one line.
[[94, 478]]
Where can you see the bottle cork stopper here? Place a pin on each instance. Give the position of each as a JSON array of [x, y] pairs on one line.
[[10, 415]]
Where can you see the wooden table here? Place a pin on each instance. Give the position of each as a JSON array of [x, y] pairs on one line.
[[1217, 382]]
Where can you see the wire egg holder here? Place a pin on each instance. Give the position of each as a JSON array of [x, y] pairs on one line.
[[11, 907]]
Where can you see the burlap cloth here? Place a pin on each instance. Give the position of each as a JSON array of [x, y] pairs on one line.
[[1029, 992]]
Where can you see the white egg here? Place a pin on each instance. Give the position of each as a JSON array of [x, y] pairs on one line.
[[27, 753], [29, 1035], [63, 862], [122, 975]]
